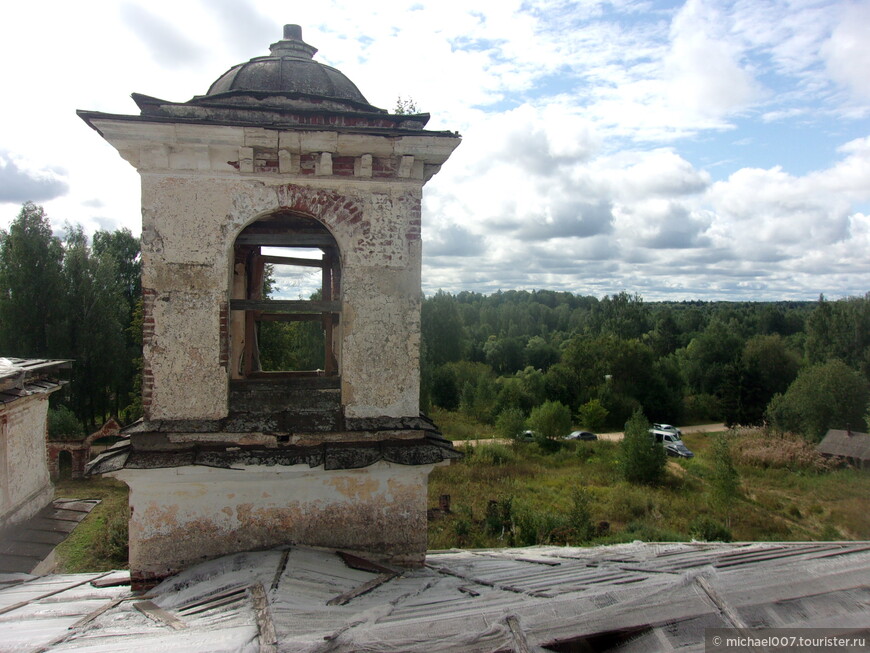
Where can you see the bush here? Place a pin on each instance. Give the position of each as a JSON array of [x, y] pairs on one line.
[[510, 423], [593, 415], [706, 529], [642, 458], [492, 454], [580, 516], [113, 545], [724, 480], [551, 420], [64, 425]]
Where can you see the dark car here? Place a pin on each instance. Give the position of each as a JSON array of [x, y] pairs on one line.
[[678, 449], [581, 435]]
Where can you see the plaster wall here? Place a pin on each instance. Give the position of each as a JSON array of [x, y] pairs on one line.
[[190, 224], [184, 515], [25, 486]]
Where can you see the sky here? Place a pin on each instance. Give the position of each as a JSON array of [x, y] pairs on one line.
[[707, 149]]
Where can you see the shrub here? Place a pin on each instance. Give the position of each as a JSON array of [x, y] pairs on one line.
[[64, 425], [642, 458], [550, 420], [113, 545], [593, 415], [492, 454], [510, 423], [706, 529], [724, 480], [580, 517]]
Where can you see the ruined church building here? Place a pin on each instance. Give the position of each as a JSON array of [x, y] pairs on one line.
[[283, 153]]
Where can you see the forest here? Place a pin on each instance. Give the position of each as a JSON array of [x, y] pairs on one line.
[[498, 359]]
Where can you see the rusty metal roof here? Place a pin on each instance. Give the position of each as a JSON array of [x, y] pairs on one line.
[[639, 596]]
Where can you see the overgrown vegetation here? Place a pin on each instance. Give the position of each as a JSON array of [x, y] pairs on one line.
[[801, 366], [99, 542], [734, 489]]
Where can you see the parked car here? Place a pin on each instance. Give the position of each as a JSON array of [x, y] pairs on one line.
[[526, 436], [678, 449], [581, 435], [669, 437]]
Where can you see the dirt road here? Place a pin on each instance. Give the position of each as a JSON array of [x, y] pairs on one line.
[[615, 437]]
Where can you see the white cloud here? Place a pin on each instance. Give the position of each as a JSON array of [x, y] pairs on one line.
[[847, 52], [704, 72], [583, 125]]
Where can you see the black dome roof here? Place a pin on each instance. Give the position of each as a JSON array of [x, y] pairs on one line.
[[288, 75]]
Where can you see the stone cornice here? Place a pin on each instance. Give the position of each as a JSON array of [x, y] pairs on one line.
[[193, 147]]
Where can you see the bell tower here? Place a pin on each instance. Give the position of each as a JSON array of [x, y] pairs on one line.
[[249, 440]]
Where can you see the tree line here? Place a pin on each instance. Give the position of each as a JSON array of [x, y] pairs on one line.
[[801, 366], [798, 366], [71, 297]]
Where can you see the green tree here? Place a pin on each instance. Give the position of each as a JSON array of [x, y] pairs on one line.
[[96, 315], [592, 415], [540, 354], [824, 396], [724, 479], [623, 315], [840, 330], [550, 420], [705, 360], [31, 288], [642, 458], [441, 327], [124, 250], [510, 423]]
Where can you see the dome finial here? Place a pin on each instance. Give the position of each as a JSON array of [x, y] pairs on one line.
[[292, 32], [292, 46]]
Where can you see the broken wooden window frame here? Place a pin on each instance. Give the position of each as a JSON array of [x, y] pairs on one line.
[[249, 257]]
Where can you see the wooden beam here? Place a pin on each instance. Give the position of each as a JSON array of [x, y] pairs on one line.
[[265, 625], [285, 306], [290, 317], [286, 240], [286, 260], [346, 597], [158, 614]]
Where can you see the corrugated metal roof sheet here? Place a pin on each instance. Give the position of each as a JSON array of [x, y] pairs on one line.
[[624, 597]]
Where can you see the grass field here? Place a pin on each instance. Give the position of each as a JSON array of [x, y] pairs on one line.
[[99, 543], [519, 494]]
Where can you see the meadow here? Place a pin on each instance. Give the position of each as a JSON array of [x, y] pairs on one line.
[[522, 494]]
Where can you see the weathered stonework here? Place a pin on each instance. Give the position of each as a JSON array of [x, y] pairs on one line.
[[182, 516], [25, 484], [292, 162]]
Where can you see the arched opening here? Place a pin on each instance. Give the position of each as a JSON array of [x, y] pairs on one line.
[[284, 349], [64, 465]]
